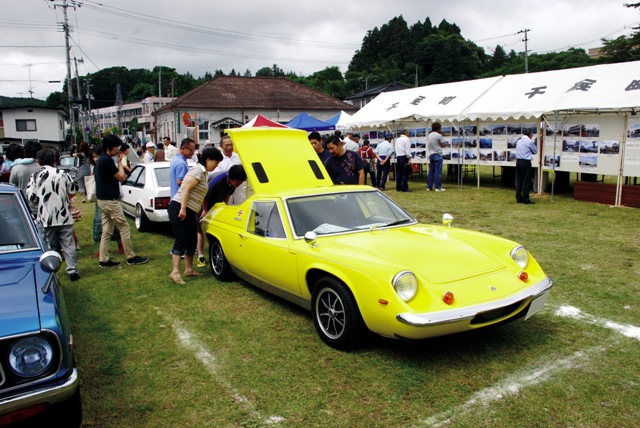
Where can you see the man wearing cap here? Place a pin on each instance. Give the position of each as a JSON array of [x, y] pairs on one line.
[[150, 154], [384, 151]]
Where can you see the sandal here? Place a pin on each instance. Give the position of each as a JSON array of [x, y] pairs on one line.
[[193, 273], [176, 278]]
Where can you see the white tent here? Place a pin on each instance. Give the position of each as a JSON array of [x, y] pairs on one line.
[[595, 89], [442, 102], [340, 119]]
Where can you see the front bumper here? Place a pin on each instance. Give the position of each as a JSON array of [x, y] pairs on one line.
[[467, 314], [50, 395]]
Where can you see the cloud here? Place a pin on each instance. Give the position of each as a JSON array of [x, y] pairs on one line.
[[303, 37]]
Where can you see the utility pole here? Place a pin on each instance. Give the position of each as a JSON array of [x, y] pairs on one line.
[[526, 49], [30, 87], [79, 104], [87, 82], [65, 28]]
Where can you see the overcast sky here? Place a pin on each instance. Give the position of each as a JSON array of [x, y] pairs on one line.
[[301, 36]]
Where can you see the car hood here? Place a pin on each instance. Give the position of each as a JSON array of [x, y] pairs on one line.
[[438, 254], [18, 297]]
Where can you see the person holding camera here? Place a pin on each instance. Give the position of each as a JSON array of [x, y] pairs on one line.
[[108, 175]]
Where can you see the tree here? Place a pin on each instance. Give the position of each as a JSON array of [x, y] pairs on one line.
[[264, 72], [623, 48], [499, 58], [140, 91]]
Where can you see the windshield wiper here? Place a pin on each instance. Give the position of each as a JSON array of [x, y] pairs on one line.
[[9, 244], [393, 223], [397, 222]]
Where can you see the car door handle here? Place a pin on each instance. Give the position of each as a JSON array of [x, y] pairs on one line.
[[242, 235]]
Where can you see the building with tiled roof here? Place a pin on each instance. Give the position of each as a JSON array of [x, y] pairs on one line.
[[229, 101]]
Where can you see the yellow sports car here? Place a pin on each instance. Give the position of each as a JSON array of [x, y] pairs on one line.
[[355, 258]]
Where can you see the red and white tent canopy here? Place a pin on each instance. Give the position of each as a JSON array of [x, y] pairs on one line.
[[261, 121]]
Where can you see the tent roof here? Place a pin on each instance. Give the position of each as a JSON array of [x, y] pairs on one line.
[[261, 121], [600, 88], [339, 119], [597, 88], [309, 123], [435, 102]]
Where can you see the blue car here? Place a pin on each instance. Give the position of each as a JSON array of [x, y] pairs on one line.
[[38, 376]]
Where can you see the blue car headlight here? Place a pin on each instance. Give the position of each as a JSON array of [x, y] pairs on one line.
[[31, 356], [406, 285], [521, 256]]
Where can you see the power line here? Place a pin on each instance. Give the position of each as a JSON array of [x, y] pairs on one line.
[[100, 7]]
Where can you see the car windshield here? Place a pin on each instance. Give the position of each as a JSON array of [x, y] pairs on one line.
[[16, 233], [344, 212], [162, 176], [67, 161]]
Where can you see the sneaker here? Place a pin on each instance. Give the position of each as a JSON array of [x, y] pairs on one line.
[[201, 262], [439, 190], [109, 264], [74, 276], [428, 190], [137, 260]]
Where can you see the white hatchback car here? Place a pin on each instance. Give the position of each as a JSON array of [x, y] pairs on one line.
[[145, 194]]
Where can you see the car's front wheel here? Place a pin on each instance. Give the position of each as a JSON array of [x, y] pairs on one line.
[[141, 220], [219, 264], [336, 316]]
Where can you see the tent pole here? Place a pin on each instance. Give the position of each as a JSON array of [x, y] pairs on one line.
[[478, 151], [623, 144]]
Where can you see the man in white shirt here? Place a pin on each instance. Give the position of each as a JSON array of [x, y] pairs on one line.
[[150, 154], [229, 158], [349, 144], [403, 161], [169, 149]]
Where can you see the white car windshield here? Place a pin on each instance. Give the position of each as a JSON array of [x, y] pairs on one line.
[[344, 212]]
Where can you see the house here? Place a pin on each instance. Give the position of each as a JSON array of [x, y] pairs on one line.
[[22, 124], [205, 112], [120, 116], [363, 98]]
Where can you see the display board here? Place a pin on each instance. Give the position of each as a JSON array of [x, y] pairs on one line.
[[584, 144], [491, 144], [631, 165]]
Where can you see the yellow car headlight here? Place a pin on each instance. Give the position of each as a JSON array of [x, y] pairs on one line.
[[406, 285], [521, 256]]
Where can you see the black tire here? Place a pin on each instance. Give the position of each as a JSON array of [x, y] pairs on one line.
[[336, 316], [141, 220], [220, 266]]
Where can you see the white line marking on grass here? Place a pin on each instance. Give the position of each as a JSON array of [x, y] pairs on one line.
[[208, 359], [510, 386], [575, 313]]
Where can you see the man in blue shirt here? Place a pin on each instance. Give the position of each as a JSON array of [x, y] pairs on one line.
[[179, 167], [384, 150], [525, 149]]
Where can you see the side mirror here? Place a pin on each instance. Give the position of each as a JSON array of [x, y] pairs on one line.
[[310, 237], [447, 219], [50, 261]]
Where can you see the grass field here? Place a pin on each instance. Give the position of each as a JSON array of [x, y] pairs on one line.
[[210, 354]]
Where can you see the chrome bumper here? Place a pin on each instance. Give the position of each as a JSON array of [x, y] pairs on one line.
[[51, 395], [431, 319]]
